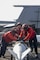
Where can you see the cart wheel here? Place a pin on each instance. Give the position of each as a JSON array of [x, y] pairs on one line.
[[12, 58], [28, 57]]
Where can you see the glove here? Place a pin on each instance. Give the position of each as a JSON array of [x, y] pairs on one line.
[[18, 39]]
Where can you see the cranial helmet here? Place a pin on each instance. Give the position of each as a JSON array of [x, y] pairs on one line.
[[25, 26]]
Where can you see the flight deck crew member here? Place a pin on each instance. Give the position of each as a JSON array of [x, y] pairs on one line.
[[27, 33], [6, 39]]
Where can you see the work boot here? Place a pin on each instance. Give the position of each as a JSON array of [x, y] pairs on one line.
[[0, 55]]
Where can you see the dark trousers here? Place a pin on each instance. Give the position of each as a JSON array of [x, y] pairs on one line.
[[3, 47], [33, 42]]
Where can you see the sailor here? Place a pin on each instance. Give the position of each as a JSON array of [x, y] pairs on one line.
[[28, 33]]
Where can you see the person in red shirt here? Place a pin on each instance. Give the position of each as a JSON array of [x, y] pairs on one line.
[[7, 38], [28, 33]]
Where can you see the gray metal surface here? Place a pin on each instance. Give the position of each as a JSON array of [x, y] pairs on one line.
[[31, 56]]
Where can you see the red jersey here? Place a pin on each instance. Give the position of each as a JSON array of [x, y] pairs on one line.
[[8, 37], [28, 34]]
